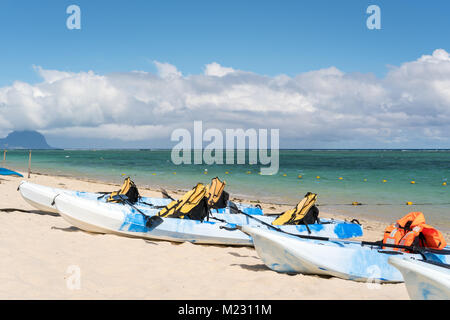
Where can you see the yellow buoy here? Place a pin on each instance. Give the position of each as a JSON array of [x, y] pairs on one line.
[[384, 181], [340, 178], [153, 174], [174, 173], [249, 172], [413, 182], [444, 183], [355, 203], [300, 176], [284, 175], [365, 180], [318, 177], [409, 203], [226, 172]]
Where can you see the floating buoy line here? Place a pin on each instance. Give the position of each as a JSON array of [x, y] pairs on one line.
[[317, 178], [300, 177], [382, 204], [354, 203]]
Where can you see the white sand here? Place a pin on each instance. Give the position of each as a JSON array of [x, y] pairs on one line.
[[37, 250]]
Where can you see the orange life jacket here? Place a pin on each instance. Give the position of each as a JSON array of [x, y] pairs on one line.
[[433, 238], [412, 230]]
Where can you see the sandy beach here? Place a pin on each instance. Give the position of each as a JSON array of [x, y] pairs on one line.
[[40, 253]]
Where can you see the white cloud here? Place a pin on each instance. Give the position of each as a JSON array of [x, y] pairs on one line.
[[167, 71], [106, 131], [51, 76], [411, 105], [215, 69]]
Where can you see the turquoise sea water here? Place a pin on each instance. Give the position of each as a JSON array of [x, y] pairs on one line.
[[362, 172]]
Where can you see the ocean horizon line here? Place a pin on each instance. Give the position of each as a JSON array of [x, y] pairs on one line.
[[247, 149]]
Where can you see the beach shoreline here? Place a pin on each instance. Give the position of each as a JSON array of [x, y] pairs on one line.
[[40, 250]]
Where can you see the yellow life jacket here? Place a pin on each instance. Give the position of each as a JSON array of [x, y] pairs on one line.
[[129, 189], [217, 197], [192, 205], [297, 214]]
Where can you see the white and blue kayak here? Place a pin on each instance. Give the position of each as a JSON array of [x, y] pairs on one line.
[[424, 280], [101, 217], [339, 258], [41, 197]]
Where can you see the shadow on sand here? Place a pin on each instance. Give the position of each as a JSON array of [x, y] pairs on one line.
[[252, 267], [242, 256], [68, 229], [39, 212]]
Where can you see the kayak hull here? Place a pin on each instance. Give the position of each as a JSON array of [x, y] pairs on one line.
[[342, 259], [41, 197], [423, 281], [96, 216]]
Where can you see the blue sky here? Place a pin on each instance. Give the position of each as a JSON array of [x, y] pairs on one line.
[[254, 63], [266, 37]]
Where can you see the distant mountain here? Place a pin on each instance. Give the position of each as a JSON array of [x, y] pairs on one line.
[[24, 140]]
